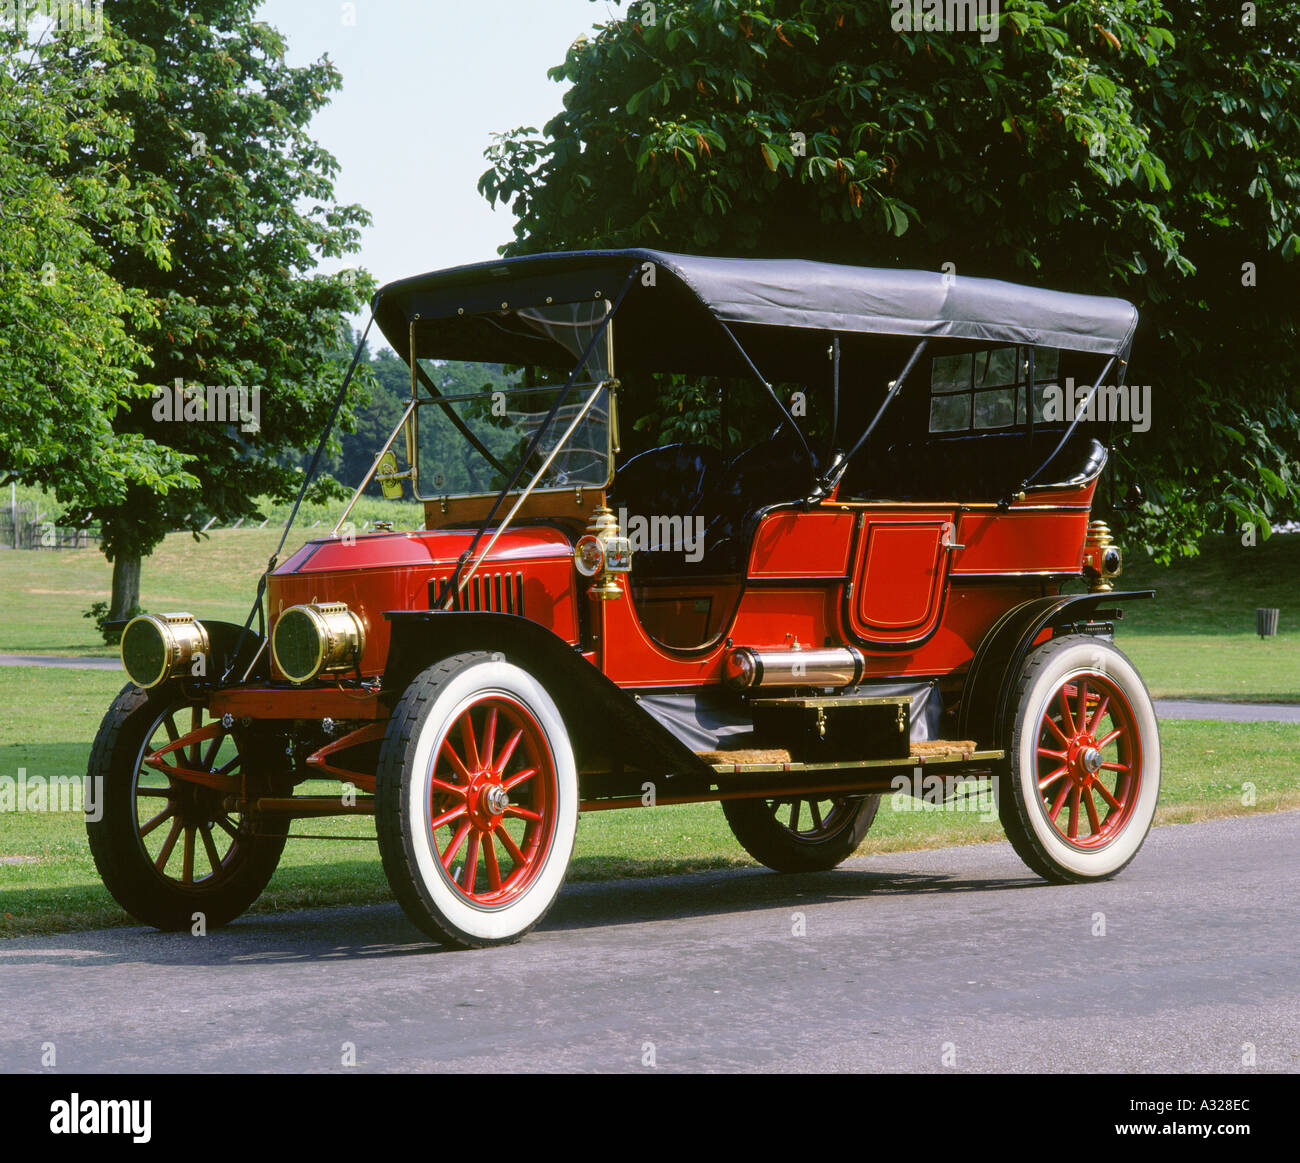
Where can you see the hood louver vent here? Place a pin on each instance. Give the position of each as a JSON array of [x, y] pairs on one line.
[[497, 593]]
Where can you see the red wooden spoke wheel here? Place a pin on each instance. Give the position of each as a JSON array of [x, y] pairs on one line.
[[476, 800], [1082, 774], [492, 800], [1090, 767], [184, 828]]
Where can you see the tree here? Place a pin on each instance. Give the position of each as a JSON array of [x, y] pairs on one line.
[[67, 326], [1125, 149], [221, 146]]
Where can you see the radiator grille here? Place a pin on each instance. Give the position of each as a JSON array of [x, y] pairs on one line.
[[498, 593]]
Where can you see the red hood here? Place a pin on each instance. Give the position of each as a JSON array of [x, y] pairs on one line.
[[442, 547]]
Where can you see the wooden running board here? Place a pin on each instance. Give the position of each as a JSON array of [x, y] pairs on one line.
[[930, 753]]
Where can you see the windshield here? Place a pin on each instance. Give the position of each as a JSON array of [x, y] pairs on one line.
[[474, 420]]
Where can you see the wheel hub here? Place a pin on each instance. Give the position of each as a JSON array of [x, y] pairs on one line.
[[1083, 760], [487, 800], [494, 747]]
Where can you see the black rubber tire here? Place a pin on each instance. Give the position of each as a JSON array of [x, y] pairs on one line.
[[432, 905], [1023, 817], [124, 866], [755, 825]]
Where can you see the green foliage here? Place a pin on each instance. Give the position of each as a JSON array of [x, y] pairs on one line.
[[1118, 148], [248, 195], [163, 211], [376, 414], [68, 325]]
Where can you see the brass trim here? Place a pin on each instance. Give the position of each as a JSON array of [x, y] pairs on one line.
[[975, 575]]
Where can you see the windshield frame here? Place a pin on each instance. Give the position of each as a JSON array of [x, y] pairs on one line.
[[427, 399]]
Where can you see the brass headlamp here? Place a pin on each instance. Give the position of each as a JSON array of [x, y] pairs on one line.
[[157, 646], [318, 638]]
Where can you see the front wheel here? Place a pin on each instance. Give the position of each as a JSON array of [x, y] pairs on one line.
[[165, 838], [476, 801], [1083, 761]]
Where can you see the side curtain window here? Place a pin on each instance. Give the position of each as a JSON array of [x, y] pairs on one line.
[[988, 389]]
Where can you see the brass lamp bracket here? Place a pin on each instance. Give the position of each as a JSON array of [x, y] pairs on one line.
[[616, 553], [1102, 560]]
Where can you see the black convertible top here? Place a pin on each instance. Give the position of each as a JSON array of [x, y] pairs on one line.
[[779, 293]]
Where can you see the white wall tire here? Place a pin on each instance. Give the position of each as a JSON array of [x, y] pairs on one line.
[[476, 801], [1082, 777]]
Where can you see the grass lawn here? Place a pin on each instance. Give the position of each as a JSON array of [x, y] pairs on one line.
[[47, 591], [1197, 638], [48, 881]]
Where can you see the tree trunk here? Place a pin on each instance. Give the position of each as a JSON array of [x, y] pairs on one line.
[[126, 586]]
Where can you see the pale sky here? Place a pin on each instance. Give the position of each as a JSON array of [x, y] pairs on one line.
[[425, 84]]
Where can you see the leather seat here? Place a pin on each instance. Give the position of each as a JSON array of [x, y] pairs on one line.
[[692, 480]]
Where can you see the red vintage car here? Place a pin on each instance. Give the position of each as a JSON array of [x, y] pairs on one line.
[[872, 563]]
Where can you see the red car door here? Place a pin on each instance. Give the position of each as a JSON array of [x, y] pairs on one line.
[[899, 575]]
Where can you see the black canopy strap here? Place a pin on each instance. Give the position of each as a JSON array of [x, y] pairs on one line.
[[812, 459], [1078, 415], [464, 429], [449, 586], [308, 477], [894, 389]]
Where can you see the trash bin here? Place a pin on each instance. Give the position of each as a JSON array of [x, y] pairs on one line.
[[1266, 623]]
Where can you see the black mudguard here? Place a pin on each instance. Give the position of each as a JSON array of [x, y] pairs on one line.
[[984, 714], [606, 724], [224, 637]]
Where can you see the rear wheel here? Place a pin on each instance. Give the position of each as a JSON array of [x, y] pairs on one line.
[[801, 834], [168, 848], [476, 801], [1083, 761]]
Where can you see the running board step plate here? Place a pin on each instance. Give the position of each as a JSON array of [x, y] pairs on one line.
[[757, 762]]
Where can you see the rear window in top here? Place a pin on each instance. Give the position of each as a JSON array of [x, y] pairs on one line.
[[988, 389]]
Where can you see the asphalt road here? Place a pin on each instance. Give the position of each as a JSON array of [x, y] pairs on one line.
[[57, 660], [902, 958]]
